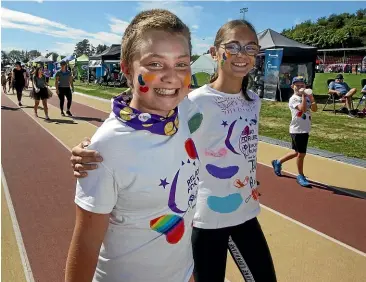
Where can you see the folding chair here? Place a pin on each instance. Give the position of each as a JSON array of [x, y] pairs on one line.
[[331, 97], [363, 97]]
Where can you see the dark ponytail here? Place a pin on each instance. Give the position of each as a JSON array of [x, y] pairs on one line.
[[244, 87]]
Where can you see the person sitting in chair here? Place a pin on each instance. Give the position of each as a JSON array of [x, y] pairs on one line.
[[342, 90]]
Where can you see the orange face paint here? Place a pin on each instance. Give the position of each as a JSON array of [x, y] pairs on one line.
[[187, 80], [149, 77]]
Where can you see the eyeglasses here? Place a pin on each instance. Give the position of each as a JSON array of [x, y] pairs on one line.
[[233, 48]]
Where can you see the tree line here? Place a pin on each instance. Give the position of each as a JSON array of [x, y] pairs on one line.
[[82, 47], [336, 31]]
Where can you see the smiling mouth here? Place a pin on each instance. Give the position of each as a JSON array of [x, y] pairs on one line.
[[240, 65], [164, 92]]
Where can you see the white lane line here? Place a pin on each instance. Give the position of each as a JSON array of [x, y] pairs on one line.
[[63, 144], [333, 160], [18, 235], [316, 231], [269, 209]]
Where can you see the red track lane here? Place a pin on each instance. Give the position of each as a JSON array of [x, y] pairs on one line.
[[42, 189], [338, 216], [41, 185], [82, 112]]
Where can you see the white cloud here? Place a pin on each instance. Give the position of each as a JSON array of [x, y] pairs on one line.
[[229, 19], [195, 26], [118, 26], [19, 20], [63, 48], [200, 45]]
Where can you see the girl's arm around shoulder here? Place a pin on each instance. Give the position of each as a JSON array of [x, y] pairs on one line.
[[89, 232]]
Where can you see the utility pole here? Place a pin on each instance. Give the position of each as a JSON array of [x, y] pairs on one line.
[[243, 11]]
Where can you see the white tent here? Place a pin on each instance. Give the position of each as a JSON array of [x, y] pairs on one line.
[[205, 64]]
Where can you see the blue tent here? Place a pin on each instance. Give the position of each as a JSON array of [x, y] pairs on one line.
[[68, 58]]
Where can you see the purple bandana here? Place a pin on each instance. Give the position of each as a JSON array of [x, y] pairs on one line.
[[144, 121]]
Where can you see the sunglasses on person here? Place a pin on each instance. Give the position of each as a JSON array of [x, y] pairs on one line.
[[233, 48]]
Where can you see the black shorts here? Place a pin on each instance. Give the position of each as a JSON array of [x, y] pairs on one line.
[[300, 142], [42, 94]]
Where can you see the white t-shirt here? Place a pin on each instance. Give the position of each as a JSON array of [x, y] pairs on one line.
[[227, 146], [148, 183], [300, 122]]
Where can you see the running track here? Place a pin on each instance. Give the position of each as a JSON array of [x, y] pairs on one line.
[[41, 186]]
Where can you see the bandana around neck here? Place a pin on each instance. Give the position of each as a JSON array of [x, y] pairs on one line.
[[144, 121]]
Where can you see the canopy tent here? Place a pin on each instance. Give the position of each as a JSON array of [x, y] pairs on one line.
[[205, 64], [68, 58], [270, 39], [59, 58], [82, 64], [298, 59], [113, 53], [41, 59]]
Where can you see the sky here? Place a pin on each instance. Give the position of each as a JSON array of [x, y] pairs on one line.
[[50, 26]]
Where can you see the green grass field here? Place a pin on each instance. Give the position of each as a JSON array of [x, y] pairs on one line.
[[335, 133]]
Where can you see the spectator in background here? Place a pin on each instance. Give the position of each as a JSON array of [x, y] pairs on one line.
[[47, 73], [18, 80], [64, 84], [342, 90], [10, 82], [3, 81]]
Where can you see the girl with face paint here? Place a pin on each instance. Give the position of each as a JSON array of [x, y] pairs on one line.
[[226, 138], [134, 213]]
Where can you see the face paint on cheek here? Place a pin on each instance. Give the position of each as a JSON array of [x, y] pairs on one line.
[[143, 79], [149, 77], [140, 80], [224, 58], [187, 80]]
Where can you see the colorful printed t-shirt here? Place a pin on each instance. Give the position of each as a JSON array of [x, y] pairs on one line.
[[227, 146], [300, 122], [148, 183]]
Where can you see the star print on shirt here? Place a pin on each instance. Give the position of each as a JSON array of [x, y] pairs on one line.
[[163, 182], [224, 123]]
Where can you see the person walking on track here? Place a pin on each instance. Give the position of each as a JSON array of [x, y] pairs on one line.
[[18, 80], [64, 87], [3, 81], [301, 105], [40, 92], [227, 200]]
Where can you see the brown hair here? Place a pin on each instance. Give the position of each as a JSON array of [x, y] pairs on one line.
[[220, 36], [155, 19]]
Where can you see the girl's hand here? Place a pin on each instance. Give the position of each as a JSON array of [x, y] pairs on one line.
[[83, 159]]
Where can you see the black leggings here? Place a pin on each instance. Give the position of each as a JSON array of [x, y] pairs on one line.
[[247, 245], [62, 92], [19, 90]]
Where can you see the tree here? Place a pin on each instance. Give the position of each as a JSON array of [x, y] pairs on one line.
[[101, 48], [32, 54], [82, 47], [336, 31], [194, 57], [54, 56], [93, 50], [15, 56], [5, 60]]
